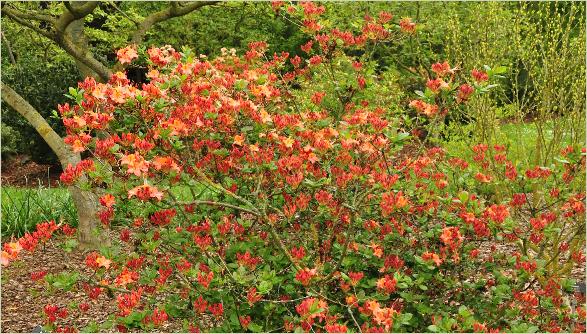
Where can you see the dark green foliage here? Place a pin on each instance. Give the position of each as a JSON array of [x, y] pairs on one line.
[[43, 83]]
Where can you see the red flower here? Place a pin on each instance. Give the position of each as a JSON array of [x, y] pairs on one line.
[[39, 275], [127, 302], [336, 328], [387, 284], [84, 307], [465, 91], [125, 235], [355, 277], [307, 47], [315, 60], [205, 279], [68, 230], [407, 26], [163, 217], [497, 213], [384, 17], [442, 69], [200, 305], [253, 296], [158, 317], [479, 76], [518, 200], [216, 309], [305, 275], [245, 321], [317, 97]]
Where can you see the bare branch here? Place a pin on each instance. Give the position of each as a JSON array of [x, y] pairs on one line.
[[17, 17], [30, 15], [84, 57], [8, 48]]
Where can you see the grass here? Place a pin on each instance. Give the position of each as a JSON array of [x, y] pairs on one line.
[[519, 138], [24, 208]]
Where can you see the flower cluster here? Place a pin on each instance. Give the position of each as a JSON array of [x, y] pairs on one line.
[[253, 189]]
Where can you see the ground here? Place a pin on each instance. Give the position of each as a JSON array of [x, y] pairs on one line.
[[23, 299], [19, 171]]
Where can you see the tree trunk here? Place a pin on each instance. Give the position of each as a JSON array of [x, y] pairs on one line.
[[75, 34], [85, 202]]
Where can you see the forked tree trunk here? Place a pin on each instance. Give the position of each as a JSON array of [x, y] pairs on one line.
[[85, 202]]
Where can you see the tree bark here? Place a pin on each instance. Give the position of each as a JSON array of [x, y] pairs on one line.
[[85, 201], [71, 37]]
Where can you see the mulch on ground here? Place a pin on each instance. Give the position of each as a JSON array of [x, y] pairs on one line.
[[23, 299], [20, 171]]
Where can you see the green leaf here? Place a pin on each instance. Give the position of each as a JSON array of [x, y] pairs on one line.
[[253, 327], [240, 84], [69, 245], [500, 70], [265, 287]]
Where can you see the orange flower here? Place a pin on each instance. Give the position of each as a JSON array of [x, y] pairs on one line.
[[432, 256], [387, 283], [442, 69], [384, 316], [351, 300], [166, 164], [107, 200], [10, 252], [288, 142], [407, 26], [177, 127], [483, 178], [136, 164], [99, 91], [126, 277], [392, 201], [451, 236], [265, 117], [372, 305], [145, 192], [239, 140], [78, 146], [13, 248], [5, 258], [126, 55], [313, 158], [377, 250], [119, 94], [103, 262]]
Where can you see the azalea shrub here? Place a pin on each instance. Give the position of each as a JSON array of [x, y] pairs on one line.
[[262, 192]]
